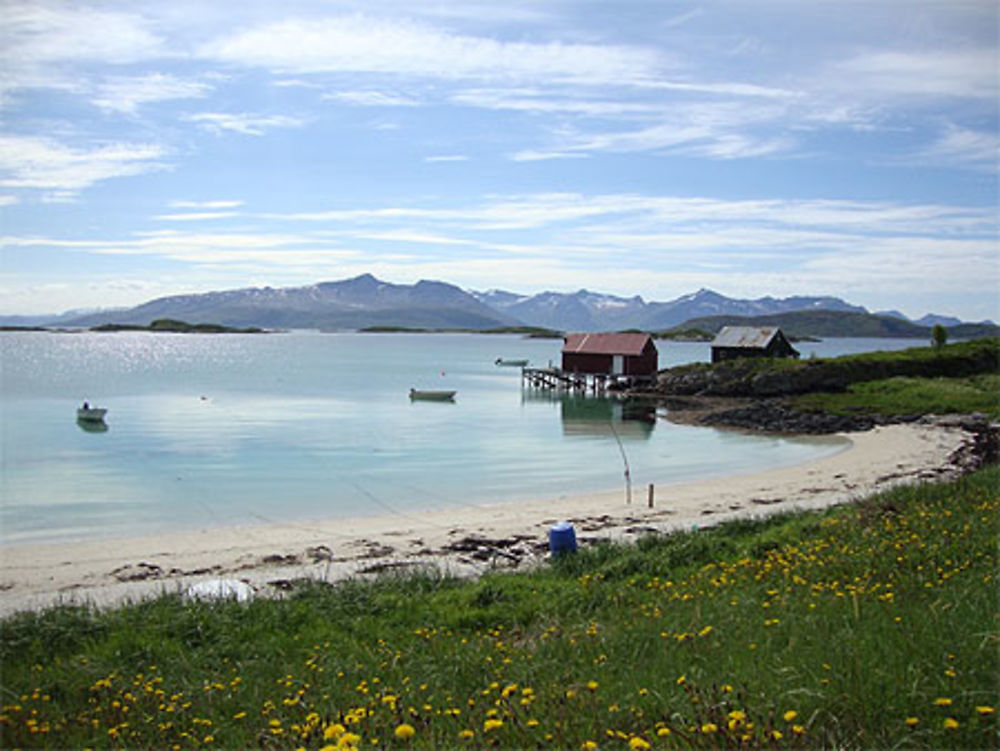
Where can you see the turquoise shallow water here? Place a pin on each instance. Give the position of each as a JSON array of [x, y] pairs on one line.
[[209, 430]]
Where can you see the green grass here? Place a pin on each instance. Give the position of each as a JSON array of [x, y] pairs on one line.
[[831, 629], [911, 396]]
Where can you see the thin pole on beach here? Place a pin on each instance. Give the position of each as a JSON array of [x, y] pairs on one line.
[[628, 474]]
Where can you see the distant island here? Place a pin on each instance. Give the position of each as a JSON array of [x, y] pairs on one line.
[[171, 326]]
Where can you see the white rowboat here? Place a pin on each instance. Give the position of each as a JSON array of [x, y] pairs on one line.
[[91, 414], [432, 396]]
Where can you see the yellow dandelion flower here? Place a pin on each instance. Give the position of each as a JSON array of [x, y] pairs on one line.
[[776, 735], [682, 680], [985, 711], [798, 729], [705, 631], [709, 727], [348, 740], [912, 721], [790, 715], [592, 685], [663, 732], [332, 732], [638, 744], [950, 723], [492, 725], [405, 731], [589, 746], [942, 702]]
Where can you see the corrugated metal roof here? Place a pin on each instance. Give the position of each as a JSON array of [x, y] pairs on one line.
[[606, 344], [746, 337]]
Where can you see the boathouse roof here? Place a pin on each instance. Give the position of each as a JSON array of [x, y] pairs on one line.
[[746, 337], [606, 344]]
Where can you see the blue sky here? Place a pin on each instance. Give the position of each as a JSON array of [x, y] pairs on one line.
[[754, 147]]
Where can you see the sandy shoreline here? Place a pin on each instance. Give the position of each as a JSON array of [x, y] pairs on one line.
[[464, 540]]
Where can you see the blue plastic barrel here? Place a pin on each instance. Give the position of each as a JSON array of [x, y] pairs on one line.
[[562, 538]]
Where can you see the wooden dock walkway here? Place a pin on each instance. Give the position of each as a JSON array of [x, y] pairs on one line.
[[559, 380]]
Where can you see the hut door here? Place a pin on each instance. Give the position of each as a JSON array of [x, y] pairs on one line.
[[617, 365]]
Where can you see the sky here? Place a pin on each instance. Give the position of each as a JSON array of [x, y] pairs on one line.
[[650, 147]]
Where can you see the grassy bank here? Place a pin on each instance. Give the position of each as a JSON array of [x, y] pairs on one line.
[[767, 377], [872, 625], [911, 396]]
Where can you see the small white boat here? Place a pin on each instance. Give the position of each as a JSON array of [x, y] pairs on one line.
[[511, 363], [432, 396], [86, 413]]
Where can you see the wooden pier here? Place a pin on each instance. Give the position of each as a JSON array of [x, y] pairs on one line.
[[559, 380]]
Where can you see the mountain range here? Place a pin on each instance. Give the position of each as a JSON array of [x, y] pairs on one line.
[[365, 301]]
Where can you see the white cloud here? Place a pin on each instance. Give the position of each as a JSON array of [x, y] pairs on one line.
[[41, 42], [37, 162], [643, 213], [126, 94], [60, 196], [687, 137], [244, 123], [935, 74], [197, 216], [738, 146], [372, 99], [713, 129], [540, 155], [296, 83], [205, 204], [361, 44], [225, 248], [447, 158], [544, 102], [964, 146], [45, 32]]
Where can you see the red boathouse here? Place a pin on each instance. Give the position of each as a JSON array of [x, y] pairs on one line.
[[630, 356]]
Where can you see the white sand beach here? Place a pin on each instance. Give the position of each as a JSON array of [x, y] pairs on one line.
[[465, 541]]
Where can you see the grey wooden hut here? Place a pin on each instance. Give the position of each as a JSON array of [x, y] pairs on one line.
[[751, 341]]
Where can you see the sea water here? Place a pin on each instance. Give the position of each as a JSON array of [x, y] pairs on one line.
[[208, 430]]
